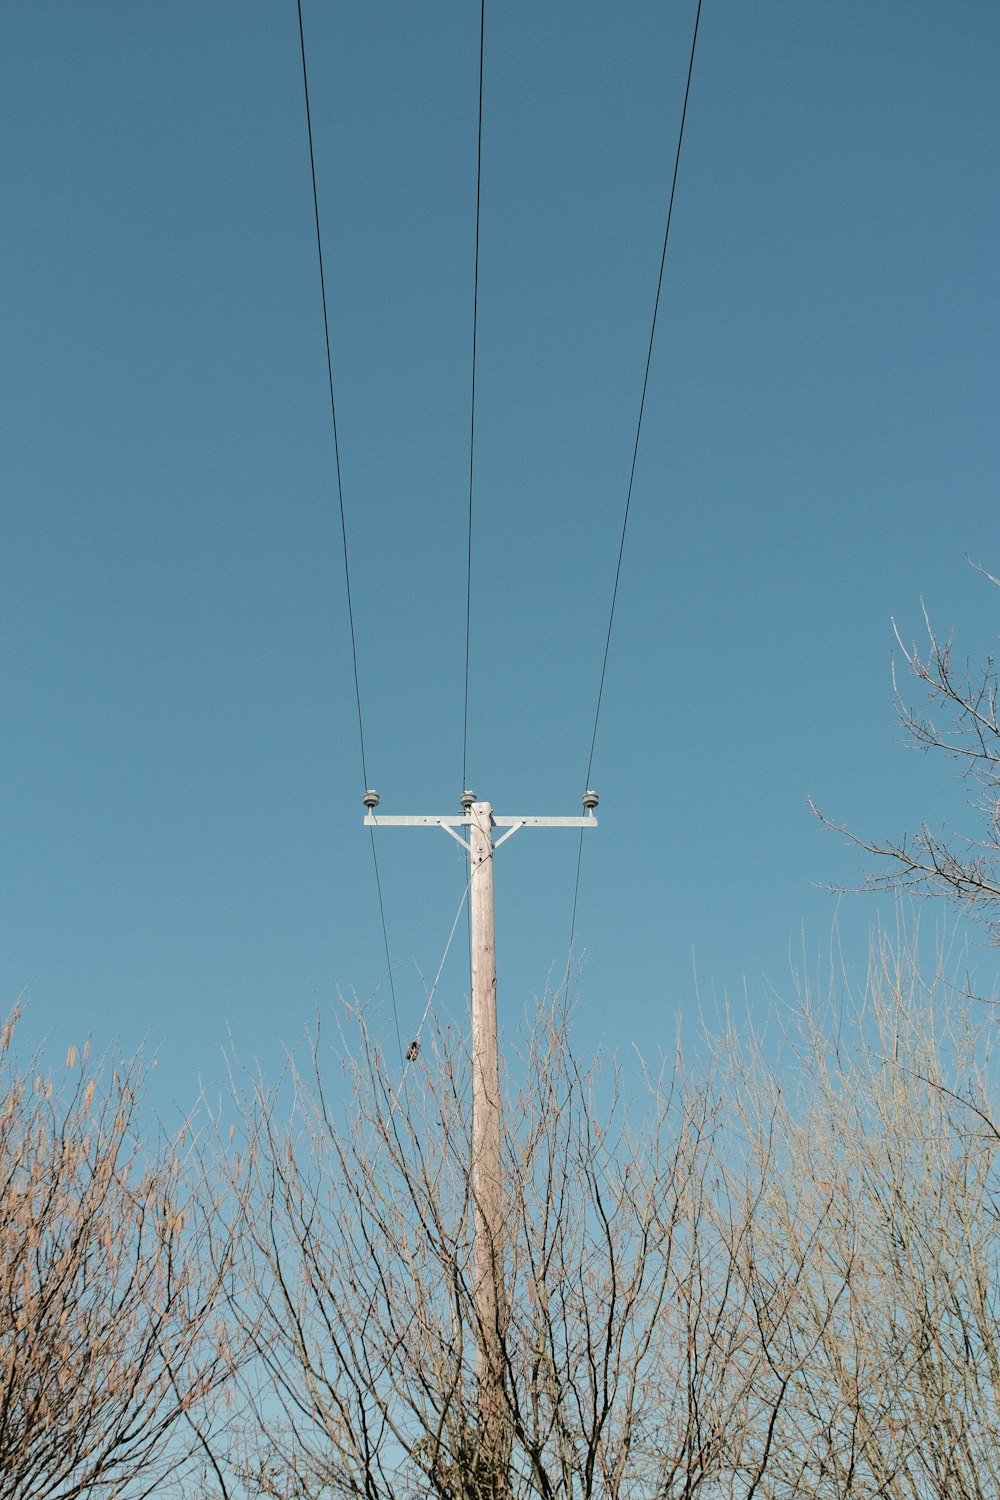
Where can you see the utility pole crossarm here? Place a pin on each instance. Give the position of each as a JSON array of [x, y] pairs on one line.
[[449, 823], [429, 820]]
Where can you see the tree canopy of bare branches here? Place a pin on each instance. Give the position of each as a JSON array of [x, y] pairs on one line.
[[776, 1282], [960, 719], [776, 1277], [110, 1347], [626, 1362], [876, 1224]]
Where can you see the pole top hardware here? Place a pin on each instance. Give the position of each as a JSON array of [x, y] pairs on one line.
[[371, 799], [450, 822]]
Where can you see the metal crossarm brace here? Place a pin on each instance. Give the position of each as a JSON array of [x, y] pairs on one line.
[[449, 824]]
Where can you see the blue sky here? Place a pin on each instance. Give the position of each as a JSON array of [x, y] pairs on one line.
[[182, 840]]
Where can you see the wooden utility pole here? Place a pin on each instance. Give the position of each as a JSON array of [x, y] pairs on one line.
[[487, 1185], [487, 1200]]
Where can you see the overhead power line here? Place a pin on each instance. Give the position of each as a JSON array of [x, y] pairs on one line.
[[472, 418], [635, 455], [343, 518]]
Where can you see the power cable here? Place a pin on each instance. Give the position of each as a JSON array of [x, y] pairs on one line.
[[635, 455], [472, 419], [343, 519], [472, 428]]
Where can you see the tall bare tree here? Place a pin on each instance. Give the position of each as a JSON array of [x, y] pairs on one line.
[[877, 1197], [631, 1366], [779, 1283], [111, 1344]]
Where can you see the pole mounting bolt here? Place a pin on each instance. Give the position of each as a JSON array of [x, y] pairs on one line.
[[590, 800], [467, 798], [371, 799]]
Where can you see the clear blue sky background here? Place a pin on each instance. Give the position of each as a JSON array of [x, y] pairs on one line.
[[181, 833]]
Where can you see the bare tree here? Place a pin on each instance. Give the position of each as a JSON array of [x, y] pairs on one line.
[[780, 1282], [631, 1363], [111, 1346], [876, 1217], [961, 719]]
